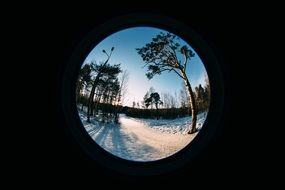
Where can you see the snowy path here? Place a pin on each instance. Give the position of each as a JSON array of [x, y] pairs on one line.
[[134, 140], [154, 144]]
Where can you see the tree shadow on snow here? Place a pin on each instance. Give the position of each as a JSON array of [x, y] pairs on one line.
[[123, 145]]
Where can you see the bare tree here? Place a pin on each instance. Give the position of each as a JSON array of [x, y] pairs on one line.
[[172, 101], [184, 100], [166, 100], [124, 86]]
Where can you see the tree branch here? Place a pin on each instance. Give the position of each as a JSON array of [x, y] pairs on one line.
[[168, 69], [178, 74], [145, 65], [174, 52], [172, 69], [185, 62]]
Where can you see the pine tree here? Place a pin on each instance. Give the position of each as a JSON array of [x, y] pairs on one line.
[[161, 55]]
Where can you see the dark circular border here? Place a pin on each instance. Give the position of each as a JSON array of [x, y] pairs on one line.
[[170, 163]]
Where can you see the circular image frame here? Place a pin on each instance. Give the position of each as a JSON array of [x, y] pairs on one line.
[[176, 160]]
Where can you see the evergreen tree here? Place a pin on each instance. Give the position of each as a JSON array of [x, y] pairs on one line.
[[83, 81], [154, 98], [161, 55]]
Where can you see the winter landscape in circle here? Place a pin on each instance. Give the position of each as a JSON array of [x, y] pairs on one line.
[[143, 94]]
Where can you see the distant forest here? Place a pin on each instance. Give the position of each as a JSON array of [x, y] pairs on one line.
[[109, 96], [100, 90]]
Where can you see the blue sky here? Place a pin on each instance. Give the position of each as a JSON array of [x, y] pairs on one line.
[[125, 43]]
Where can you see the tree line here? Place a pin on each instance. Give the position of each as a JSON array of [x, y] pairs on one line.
[[99, 88], [168, 106]]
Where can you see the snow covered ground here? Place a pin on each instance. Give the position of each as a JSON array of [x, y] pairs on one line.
[[174, 126], [142, 139]]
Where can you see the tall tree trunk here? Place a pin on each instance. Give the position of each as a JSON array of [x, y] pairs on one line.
[[91, 96], [156, 106], [82, 106], [92, 93], [95, 103], [192, 107], [92, 106]]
